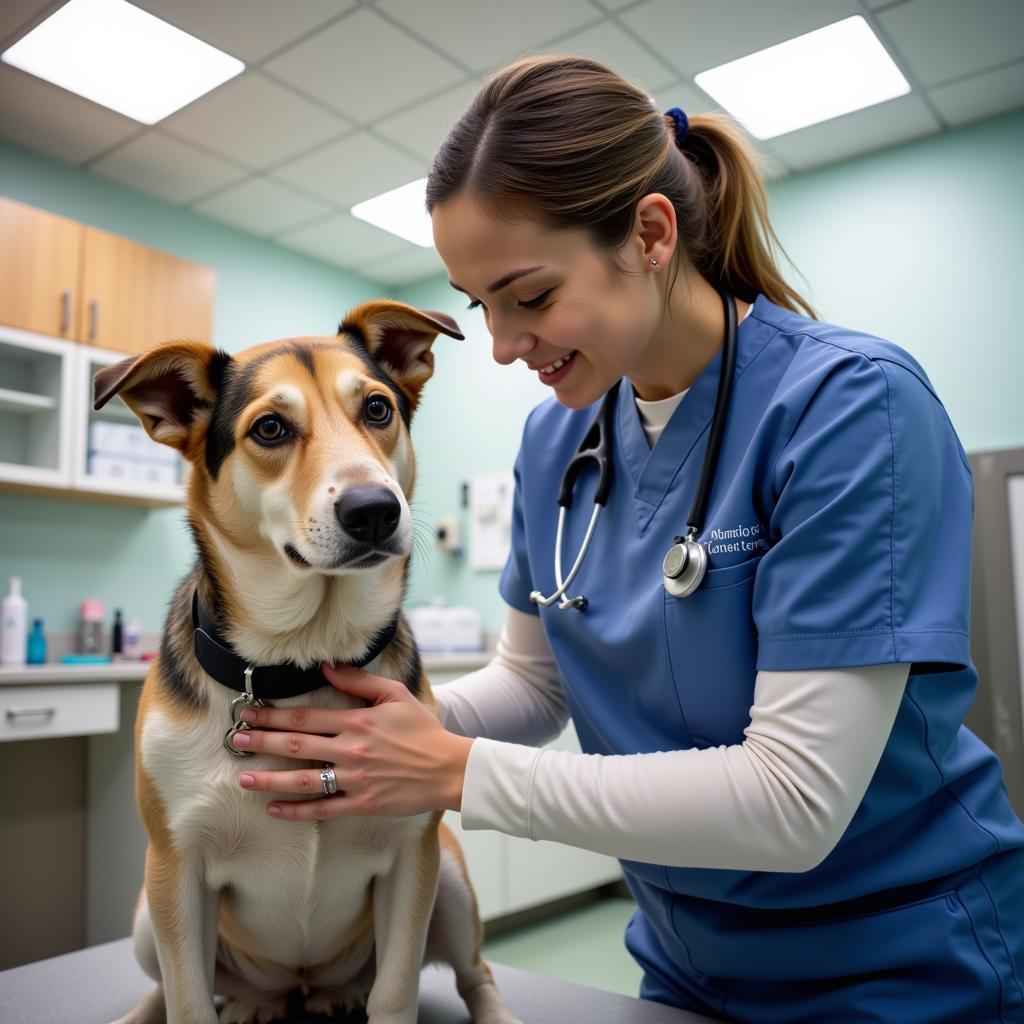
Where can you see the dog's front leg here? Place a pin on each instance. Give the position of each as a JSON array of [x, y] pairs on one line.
[[403, 900], [184, 913]]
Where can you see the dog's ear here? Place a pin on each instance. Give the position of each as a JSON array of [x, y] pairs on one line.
[[171, 388], [399, 337]]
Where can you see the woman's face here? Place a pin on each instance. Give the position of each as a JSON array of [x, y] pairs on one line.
[[574, 306]]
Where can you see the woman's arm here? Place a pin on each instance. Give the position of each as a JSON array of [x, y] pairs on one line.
[[516, 697], [779, 801]]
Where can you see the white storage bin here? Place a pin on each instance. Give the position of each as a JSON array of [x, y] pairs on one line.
[[427, 623], [462, 629]]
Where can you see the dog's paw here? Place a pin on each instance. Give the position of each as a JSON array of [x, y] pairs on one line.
[[267, 1011], [330, 1001]]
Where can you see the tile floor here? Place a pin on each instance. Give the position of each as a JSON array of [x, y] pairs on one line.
[[584, 945]]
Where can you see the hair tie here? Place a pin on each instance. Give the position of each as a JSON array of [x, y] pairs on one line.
[[682, 123]]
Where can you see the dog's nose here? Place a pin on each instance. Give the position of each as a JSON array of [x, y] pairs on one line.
[[368, 513]]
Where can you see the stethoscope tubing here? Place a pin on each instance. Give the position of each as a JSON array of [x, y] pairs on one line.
[[596, 447]]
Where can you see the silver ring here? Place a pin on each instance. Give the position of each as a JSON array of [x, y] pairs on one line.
[[328, 781]]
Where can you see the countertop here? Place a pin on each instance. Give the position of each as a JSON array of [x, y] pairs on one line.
[[135, 671]]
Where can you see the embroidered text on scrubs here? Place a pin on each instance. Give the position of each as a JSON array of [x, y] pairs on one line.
[[747, 538]]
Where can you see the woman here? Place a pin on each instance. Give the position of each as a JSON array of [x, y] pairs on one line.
[[778, 759]]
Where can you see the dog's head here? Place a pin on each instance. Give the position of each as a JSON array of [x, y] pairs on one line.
[[302, 444]]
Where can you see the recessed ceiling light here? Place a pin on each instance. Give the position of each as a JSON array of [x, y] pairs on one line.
[[402, 211], [812, 78], [113, 53]]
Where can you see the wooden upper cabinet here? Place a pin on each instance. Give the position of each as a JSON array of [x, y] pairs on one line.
[[134, 297], [69, 280], [40, 264]]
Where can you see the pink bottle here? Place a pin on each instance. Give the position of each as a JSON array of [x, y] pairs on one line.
[[90, 639]]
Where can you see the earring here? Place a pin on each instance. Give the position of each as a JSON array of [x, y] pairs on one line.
[[654, 261]]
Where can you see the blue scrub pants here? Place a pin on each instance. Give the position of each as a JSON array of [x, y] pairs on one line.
[[952, 953]]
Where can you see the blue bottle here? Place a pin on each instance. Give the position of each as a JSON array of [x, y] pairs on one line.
[[37, 644]]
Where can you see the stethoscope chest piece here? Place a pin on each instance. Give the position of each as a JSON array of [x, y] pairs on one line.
[[684, 566]]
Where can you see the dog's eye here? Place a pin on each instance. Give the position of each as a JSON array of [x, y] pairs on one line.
[[378, 410], [268, 429]]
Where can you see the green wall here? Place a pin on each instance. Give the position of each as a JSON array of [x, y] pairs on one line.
[[919, 244]]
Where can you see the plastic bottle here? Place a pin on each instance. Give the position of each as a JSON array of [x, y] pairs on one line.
[[13, 625], [37, 644], [116, 642], [132, 640], [90, 639]]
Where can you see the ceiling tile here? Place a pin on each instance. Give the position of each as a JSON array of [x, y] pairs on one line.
[[423, 127], [44, 117], [345, 241], [485, 34], [840, 138], [971, 99], [404, 268], [261, 207], [248, 29], [365, 67], [18, 16], [356, 168], [165, 168], [944, 39], [609, 44], [692, 35], [254, 121]]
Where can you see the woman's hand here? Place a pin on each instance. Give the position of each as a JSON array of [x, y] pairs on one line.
[[394, 758]]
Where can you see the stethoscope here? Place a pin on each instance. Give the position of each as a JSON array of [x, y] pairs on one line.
[[686, 562]]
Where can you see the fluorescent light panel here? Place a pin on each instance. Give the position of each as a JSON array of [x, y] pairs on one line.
[[402, 211], [817, 76], [124, 58]]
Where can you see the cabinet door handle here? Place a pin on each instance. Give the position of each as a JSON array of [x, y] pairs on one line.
[[65, 312], [15, 713], [94, 313]]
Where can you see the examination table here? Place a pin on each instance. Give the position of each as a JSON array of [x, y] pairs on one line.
[[99, 984]]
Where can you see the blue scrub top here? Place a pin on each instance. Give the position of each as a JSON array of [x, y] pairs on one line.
[[838, 534]]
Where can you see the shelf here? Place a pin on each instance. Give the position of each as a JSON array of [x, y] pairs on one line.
[[25, 401], [153, 496]]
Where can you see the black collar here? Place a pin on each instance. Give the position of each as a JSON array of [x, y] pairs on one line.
[[269, 682]]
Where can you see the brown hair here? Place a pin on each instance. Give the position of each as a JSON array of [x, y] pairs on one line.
[[566, 142]]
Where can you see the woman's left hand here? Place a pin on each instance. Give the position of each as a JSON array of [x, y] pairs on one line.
[[394, 758]]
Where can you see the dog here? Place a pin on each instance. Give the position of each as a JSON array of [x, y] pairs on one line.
[[301, 471]]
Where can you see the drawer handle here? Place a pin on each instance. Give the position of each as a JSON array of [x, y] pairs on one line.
[[65, 312], [94, 312], [15, 713]]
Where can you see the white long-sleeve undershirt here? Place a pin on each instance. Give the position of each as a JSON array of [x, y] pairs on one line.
[[778, 801]]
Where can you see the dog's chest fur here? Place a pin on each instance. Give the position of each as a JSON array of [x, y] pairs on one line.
[[297, 890]]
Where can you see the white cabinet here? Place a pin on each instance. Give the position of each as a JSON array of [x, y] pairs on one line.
[[45, 712], [35, 412], [510, 873], [539, 872], [52, 441]]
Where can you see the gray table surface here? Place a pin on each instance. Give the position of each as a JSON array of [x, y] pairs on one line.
[[101, 983]]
